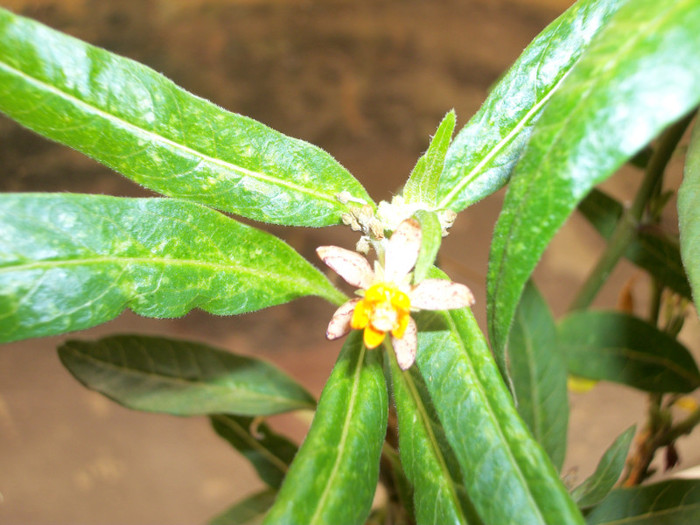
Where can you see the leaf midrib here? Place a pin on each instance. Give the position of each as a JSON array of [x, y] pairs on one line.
[[410, 385], [148, 261], [501, 144], [42, 85], [644, 357], [320, 504], [496, 309], [497, 427], [655, 513], [146, 375], [600, 478], [233, 425]]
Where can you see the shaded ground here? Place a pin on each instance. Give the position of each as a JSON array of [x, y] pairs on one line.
[[366, 80]]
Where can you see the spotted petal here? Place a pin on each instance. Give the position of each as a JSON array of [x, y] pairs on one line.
[[405, 348], [340, 322], [439, 294], [402, 250], [351, 266]]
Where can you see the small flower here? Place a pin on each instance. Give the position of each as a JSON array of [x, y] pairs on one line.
[[387, 296]]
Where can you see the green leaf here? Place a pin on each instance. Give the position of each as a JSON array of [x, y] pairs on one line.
[[334, 475], [595, 488], [140, 124], [431, 238], [422, 185], [482, 156], [602, 211], [673, 502], [249, 511], [428, 461], [649, 250], [69, 262], [614, 346], [181, 378], [689, 213], [506, 473], [599, 117], [538, 372], [659, 255], [269, 453]]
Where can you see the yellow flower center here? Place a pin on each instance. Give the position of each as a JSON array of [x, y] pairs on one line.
[[383, 309]]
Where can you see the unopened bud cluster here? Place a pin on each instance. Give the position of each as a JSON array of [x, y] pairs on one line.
[[388, 218]]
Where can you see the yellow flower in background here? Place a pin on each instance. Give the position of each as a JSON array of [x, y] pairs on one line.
[[387, 294]]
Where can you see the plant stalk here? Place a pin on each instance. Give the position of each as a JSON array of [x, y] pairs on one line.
[[627, 226], [659, 431]]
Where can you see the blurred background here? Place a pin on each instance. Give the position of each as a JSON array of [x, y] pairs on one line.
[[367, 80]]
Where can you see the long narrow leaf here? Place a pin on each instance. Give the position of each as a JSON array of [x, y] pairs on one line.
[[538, 372], [618, 347], [483, 154], [428, 461], [334, 475], [689, 213], [249, 511], [506, 473], [673, 502], [69, 262], [599, 117], [422, 185], [181, 378], [140, 124], [268, 452], [606, 474]]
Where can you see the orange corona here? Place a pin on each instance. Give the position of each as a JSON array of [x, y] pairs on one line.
[[383, 309]]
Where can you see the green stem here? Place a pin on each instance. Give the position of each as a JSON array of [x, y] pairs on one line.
[[659, 431], [626, 229], [619, 241]]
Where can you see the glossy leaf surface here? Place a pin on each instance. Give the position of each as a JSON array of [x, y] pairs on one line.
[[538, 372], [268, 452], [606, 474], [689, 213], [140, 124], [673, 502], [181, 378], [599, 117], [430, 465], [482, 156], [612, 346], [69, 262], [250, 511], [334, 475], [422, 185], [506, 473], [650, 250]]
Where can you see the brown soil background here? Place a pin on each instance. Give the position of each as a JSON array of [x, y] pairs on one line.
[[366, 80]]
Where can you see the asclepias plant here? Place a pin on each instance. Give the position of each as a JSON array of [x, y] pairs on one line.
[[477, 432]]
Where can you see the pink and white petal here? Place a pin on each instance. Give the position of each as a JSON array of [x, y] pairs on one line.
[[402, 250], [351, 266], [439, 294], [406, 347], [340, 322]]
